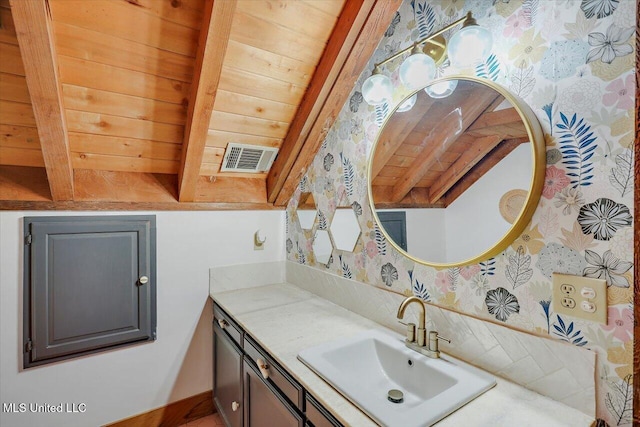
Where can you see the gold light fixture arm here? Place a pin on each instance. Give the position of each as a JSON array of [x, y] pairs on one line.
[[467, 20]]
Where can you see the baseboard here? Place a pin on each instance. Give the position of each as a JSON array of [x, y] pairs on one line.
[[173, 414]]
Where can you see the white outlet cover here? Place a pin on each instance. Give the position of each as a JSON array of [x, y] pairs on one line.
[[597, 306]]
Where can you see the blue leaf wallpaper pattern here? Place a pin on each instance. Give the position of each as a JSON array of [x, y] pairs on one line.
[[577, 146], [425, 17], [346, 270], [418, 288], [573, 63], [380, 240], [489, 69], [348, 174], [488, 268], [568, 332]]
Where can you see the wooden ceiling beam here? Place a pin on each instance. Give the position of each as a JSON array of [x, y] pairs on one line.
[[32, 20], [223, 189], [496, 118], [354, 39], [23, 183], [475, 153], [437, 143], [212, 46], [418, 197], [26, 188], [481, 168]]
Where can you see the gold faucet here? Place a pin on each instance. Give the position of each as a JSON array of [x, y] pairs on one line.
[[418, 344], [422, 332]]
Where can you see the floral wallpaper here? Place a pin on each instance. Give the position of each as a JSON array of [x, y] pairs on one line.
[[572, 61]]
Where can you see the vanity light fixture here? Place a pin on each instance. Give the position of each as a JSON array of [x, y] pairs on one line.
[[377, 89], [468, 46]]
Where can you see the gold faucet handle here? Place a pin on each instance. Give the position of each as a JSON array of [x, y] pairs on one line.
[[433, 340], [443, 338], [411, 331]]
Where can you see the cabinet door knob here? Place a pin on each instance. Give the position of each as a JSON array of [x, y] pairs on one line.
[[223, 323], [143, 280], [234, 406], [264, 368]]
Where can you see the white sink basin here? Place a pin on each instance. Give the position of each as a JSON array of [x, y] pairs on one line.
[[365, 367]]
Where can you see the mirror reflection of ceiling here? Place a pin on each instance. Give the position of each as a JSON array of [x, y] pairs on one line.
[[430, 155]]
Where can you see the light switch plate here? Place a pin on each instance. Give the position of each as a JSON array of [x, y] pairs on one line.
[[580, 296]]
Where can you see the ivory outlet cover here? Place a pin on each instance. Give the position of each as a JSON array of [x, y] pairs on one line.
[[582, 297]]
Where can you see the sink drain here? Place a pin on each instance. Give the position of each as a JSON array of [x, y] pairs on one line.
[[395, 396]]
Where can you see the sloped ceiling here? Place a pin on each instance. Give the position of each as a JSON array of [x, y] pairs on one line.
[[130, 104]]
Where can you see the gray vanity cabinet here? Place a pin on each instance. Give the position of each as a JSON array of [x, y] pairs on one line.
[[227, 378], [317, 416], [264, 406], [251, 389]]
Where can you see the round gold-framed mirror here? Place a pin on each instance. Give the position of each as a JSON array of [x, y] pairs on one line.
[[441, 163]]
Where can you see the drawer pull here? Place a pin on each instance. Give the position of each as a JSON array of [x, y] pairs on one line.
[[223, 323], [264, 368], [235, 406]]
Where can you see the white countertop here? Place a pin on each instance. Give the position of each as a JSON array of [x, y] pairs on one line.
[[285, 319]]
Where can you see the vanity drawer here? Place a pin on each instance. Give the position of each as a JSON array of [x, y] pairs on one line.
[[276, 375], [317, 416], [229, 325]]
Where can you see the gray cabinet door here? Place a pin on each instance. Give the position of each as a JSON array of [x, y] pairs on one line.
[[317, 416], [227, 378], [89, 284], [395, 224], [263, 405]]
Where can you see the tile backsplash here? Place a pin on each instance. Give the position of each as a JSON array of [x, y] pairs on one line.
[[561, 371], [240, 276]]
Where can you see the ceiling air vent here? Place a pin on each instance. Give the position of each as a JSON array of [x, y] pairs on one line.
[[248, 158]]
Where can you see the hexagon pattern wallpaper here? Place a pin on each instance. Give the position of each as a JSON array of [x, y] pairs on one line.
[[572, 62]]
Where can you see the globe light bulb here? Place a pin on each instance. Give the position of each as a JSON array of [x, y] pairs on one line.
[[408, 104], [441, 89], [469, 46], [417, 71], [377, 89]]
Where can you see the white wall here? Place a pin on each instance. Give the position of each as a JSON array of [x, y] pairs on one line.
[[426, 233], [120, 383], [481, 203]]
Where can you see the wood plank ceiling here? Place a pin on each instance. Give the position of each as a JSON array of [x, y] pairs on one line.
[[131, 103]]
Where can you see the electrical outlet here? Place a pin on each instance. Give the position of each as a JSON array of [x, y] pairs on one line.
[[568, 302], [567, 289], [581, 297]]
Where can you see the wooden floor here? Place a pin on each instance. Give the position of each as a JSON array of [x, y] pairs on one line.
[[212, 420]]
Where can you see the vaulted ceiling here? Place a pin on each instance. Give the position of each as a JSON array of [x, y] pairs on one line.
[[130, 104]]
